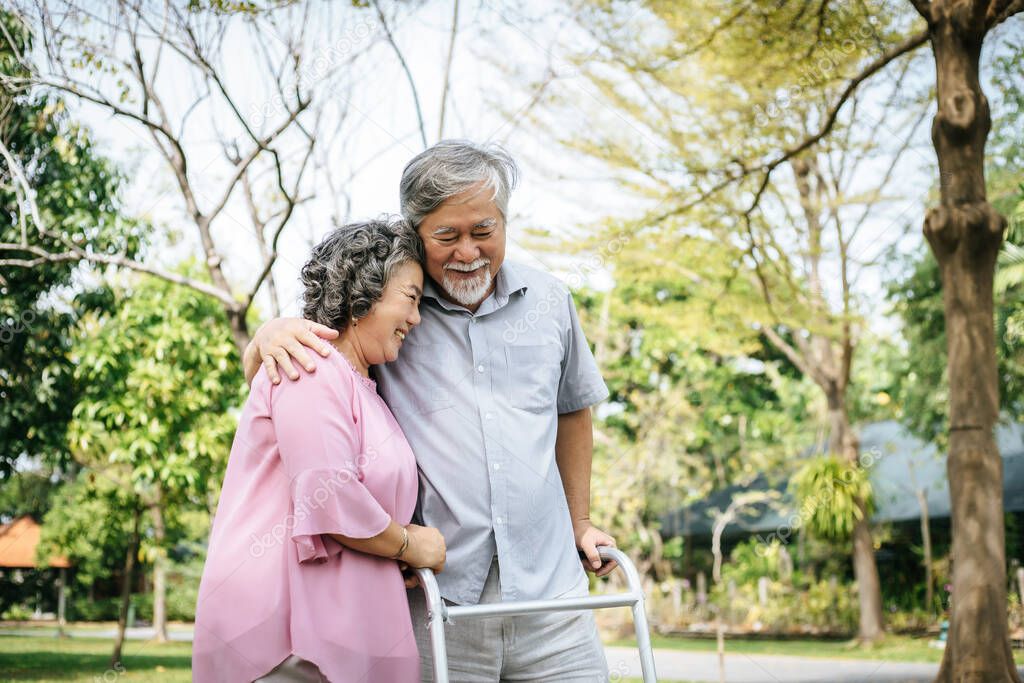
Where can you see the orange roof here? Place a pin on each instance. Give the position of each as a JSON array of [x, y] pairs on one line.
[[18, 541]]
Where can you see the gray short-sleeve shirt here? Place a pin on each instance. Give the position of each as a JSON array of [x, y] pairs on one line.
[[478, 397]]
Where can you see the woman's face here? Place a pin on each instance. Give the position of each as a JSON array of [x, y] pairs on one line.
[[381, 331]]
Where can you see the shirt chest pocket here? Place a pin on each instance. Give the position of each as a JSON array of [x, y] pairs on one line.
[[533, 376]]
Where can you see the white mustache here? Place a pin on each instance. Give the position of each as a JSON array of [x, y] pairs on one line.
[[467, 267]]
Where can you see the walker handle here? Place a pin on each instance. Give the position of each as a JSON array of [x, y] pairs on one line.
[[439, 612]]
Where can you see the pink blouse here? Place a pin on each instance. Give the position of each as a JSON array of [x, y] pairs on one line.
[[321, 455]]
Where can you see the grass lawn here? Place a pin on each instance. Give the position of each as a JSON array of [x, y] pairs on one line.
[[49, 660], [892, 649], [49, 626], [26, 658]]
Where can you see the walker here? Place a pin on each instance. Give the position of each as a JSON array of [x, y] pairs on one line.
[[438, 612]]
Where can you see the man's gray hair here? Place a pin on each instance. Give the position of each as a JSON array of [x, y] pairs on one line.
[[348, 271], [451, 167]]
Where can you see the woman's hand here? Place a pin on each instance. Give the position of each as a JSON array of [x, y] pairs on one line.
[[280, 340], [426, 548]]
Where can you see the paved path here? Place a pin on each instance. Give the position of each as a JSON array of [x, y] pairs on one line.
[[674, 665]]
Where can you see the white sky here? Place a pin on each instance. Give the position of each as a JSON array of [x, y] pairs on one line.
[[499, 51], [379, 137]]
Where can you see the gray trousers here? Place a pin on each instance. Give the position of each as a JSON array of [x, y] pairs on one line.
[[554, 647]]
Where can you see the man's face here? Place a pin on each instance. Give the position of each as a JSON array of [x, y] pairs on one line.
[[464, 239]]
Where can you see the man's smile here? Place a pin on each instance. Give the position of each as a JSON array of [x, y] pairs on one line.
[[465, 271]]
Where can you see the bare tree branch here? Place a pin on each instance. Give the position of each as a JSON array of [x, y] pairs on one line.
[[924, 8], [243, 163], [831, 116], [405, 68], [874, 67], [448, 69], [138, 39], [79, 255], [1001, 10]]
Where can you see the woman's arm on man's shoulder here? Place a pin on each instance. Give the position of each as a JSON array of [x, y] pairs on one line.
[[279, 340]]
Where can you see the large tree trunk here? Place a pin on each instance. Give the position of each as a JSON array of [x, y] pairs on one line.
[[843, 442], [126, 592], [965, 234]]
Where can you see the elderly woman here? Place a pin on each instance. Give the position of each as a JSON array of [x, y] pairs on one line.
[[302, 580]]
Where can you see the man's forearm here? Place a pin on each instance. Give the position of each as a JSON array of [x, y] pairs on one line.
[[574, 452]]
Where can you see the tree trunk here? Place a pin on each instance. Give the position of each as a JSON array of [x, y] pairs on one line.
[[62, 592], [843, 442], [965, 233], [239, 330], [159, 575], [126, 592], [829, 361], [926, 546]]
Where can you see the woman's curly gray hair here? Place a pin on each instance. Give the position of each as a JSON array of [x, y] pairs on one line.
[[348, 271]]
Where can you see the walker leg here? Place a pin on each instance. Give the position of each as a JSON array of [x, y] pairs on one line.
[[643, 642], [439, 649]]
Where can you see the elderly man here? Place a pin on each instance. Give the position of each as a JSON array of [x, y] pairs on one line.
[[493, 391]]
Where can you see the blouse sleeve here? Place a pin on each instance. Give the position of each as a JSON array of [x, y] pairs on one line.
[[315, 422]]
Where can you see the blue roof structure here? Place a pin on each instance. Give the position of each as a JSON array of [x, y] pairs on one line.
[[899, 463]]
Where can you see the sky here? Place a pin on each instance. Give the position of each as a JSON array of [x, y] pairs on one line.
[[369, 130], [377, 136]]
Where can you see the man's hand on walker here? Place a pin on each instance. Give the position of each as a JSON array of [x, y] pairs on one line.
[[280, 340], [588, 538]]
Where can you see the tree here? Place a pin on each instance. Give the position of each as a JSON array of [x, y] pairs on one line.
[[918, 383], [917, 380], [962, 231], [161, 379], [832, 495], [693, 408], [78, 193], [127, 58], [28, 493], [965, 233], [791, 216], [69, 528]]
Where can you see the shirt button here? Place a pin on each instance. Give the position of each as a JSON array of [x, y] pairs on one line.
[[497, 520], [497, 465], [480, 368], [488, 416]]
